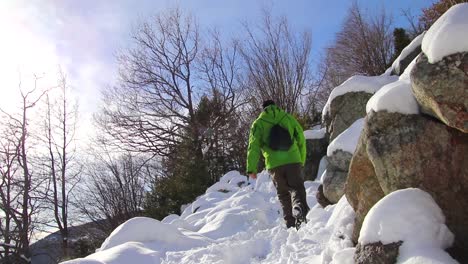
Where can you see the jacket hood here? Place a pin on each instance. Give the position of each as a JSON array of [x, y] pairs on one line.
[[272, 113]]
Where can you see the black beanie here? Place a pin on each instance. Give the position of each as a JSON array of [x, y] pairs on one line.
[[267, 103]]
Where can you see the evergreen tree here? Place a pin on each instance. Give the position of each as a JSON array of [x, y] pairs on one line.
[[400, 40]]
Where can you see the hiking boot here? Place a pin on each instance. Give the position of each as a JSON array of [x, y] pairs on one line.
[[300, 216], [297, 211]]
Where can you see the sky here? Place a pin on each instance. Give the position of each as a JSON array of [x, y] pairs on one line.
[[83, 37]]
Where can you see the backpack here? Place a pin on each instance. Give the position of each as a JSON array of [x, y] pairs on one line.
[[280, 139]]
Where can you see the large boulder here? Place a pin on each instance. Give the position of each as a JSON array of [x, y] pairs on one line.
[[344, 110], [339, 154], [362, 188], [441, 89], [347, 102], [336, 174], [399, 151]]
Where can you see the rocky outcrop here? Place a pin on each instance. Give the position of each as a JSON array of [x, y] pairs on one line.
[[441, 89], [377, 253], [336, 174], [399, 151], [316, 149], [344, 110], [362, 187]]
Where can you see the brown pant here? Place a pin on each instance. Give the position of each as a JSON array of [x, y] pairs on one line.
[[290, 188]]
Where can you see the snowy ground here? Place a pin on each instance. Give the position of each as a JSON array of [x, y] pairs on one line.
[[232, 224]]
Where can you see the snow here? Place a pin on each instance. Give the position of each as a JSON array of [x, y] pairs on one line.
[[240, 224], [342, 223], [407, 51], [412, 216], [322, 167], [315, 133], [348, 140], [154, 231], [244, 225], [448, 35], [345, 256], [396, 97], [358, 83]]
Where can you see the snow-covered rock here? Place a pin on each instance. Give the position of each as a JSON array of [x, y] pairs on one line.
[[347, 141], [410, 216], [448, 35], [396, 97], [315, 133], [339, 154], [358, 83]]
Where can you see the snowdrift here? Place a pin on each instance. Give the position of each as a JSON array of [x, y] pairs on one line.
[[235, 221]]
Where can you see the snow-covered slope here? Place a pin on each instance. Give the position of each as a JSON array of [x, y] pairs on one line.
[[233, 222]]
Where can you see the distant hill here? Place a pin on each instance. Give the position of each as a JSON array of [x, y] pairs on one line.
[[84, 239]]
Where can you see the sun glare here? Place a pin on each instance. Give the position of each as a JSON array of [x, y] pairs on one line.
[[24, 52]]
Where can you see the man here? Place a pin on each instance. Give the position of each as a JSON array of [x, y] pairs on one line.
[[284, 163]]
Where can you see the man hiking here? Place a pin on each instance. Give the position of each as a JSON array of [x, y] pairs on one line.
[[281, 140]]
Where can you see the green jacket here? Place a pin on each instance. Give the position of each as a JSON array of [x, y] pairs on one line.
[[259, 133]]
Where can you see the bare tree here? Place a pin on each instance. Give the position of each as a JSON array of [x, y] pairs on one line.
[[154, 104], [162, 78], [363, 46], [428, 16], [8, 193], [277, 61], [115, 188], [63, 172], [20, 199]]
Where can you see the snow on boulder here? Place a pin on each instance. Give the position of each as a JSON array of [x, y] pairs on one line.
[[412, 217], [322, 167], [439, 78], [153, 231], [448, 35], [358, 83], [396, 97], [347, 141], [315, 133], [339, 155]]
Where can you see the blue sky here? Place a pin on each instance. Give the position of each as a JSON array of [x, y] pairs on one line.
[[84, 36]]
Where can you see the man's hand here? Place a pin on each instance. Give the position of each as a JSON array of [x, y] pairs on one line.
[[253, 175]]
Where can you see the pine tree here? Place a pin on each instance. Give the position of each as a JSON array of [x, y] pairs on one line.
[[400, 40]]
